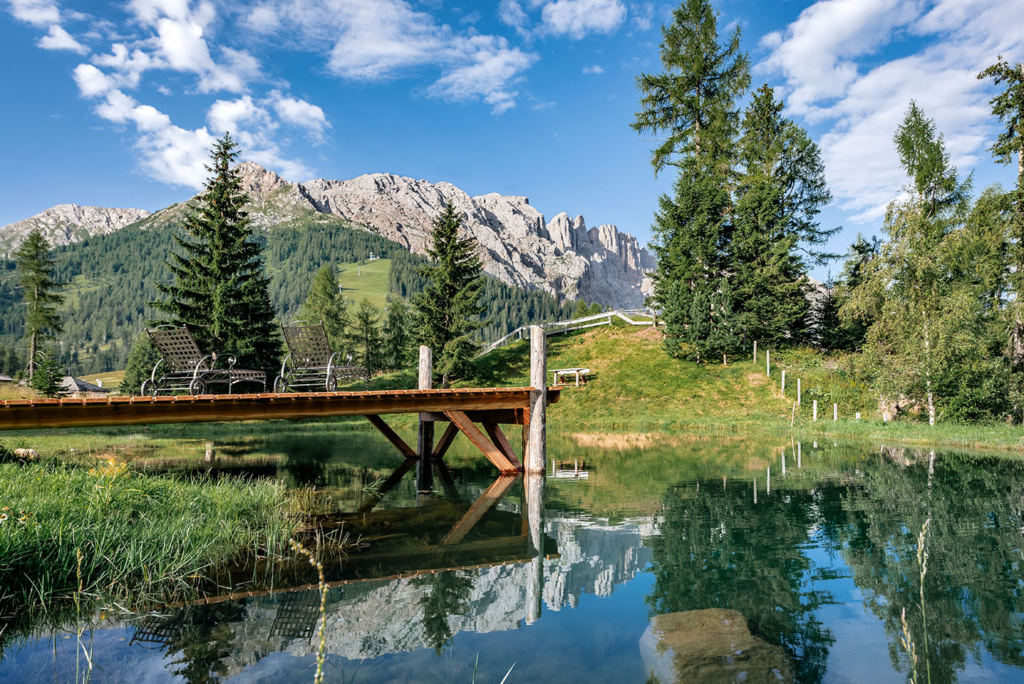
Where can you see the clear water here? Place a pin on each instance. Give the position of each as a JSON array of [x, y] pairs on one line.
[[687, 560]]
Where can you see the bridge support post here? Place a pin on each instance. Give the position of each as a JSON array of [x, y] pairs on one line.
[[533, 485], [536, 457], [425, 434]]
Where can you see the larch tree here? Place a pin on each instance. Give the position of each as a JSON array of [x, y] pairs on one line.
[[1008, 106], [220, 289], [691, 107], [325, 303], [397, 338], [40, 292], [448, 308], [364, 336], [924, 317], [780, 190]]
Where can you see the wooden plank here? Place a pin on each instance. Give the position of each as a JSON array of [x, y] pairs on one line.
[[500, 441], [391, 436], [480, 441], [446, 441], [495, 493], [56, 413]]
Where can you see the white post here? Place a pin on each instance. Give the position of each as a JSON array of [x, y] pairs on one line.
[[768, 362], [755, 351], [536, 459], [768, 487], [534, 489], [857, 417], [815, 404], [783, 462], [799, 454], [783, 382], [798, 392], [835, 412]]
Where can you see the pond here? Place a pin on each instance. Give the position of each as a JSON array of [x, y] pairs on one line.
[[643, 558]]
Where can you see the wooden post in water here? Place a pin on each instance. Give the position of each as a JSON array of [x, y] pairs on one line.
[[425, 434], [536, 457], [533, 485]]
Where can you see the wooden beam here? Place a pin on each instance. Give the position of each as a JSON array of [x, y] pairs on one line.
[[34, 414], [391, 436], [500, 441], [446, 441], [495, 493], [386, 486], [480, 441], [501, 416], [446, 479]]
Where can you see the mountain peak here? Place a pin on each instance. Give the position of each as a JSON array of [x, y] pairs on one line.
[[65, 223]]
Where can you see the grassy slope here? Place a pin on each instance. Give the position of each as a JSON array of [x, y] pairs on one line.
[[369, 281], [637, 387]]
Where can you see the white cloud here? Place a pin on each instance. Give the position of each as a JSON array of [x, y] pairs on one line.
[[511, 14], [40, 13], [300, 113], [59, 39], [643, 16], [489, 69], [263, 20], [832, 76], [91, 81], [577, 18], [595, 69]]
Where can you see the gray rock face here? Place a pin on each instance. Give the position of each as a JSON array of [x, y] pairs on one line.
[[517, 245], [67, 223]]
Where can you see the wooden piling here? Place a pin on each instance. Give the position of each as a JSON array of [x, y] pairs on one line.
[[425, 434], [533, 486], [536, 458]]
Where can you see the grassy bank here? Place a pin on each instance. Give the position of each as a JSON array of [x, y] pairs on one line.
[[637, 387], [108, 531]]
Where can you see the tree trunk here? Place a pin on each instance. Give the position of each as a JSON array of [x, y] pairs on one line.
[[32, 357]]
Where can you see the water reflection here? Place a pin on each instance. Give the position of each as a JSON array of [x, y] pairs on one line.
[[693, 561]]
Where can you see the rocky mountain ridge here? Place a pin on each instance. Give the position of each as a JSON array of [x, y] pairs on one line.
[[517, 245], [67, 223]]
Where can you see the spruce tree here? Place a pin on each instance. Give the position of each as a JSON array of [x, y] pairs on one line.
[[1008, 106], [220, 289], [449, 306], [397, 340], [364, 336], [141, 359], [324, 303], [48, 376], [691, 106], [780, 190], [39, 290]]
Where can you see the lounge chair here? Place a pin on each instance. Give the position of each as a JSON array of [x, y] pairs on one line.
[[186, 369], [310, 364]]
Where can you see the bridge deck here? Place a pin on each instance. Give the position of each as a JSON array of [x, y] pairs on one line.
[[32, 414]]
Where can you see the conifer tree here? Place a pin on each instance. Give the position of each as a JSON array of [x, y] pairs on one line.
[[1008, 106], [220, 289], [397, 339], [141, 359], [48, 376], [449, 306], [39, 290], [779, 192], [326, 304], [364, 336], [691, 106]]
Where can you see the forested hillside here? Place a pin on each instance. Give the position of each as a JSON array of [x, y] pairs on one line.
[[112, 278]]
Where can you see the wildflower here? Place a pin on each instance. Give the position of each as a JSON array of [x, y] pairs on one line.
[[3, 518]]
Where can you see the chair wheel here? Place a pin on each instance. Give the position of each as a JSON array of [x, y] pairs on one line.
[[149, 389], [280, 385], [197, 387], [332, 383]]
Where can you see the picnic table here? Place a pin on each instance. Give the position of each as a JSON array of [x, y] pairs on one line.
[[579, 373]]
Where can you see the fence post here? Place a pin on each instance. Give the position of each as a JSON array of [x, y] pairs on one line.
[[755, 351], [815, 405], [783, 382], [835, 412], [536, 459], [768, 361], [798, 395]]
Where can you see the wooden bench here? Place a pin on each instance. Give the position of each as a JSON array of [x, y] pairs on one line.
[[579, 373]]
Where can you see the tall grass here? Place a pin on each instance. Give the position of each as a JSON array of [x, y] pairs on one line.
[[110, 532]]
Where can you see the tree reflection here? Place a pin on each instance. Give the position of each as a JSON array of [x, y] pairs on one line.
[[719, 550], [449, 595]]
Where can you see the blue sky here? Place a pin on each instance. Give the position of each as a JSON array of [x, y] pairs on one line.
[[115, 104]]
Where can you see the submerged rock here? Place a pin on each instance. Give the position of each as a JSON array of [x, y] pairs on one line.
[[712, 645]]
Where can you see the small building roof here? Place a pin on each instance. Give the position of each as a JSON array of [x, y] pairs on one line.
[[70, 384], [6, 378]]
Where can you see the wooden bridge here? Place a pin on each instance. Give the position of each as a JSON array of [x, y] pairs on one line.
[[462, 409]]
